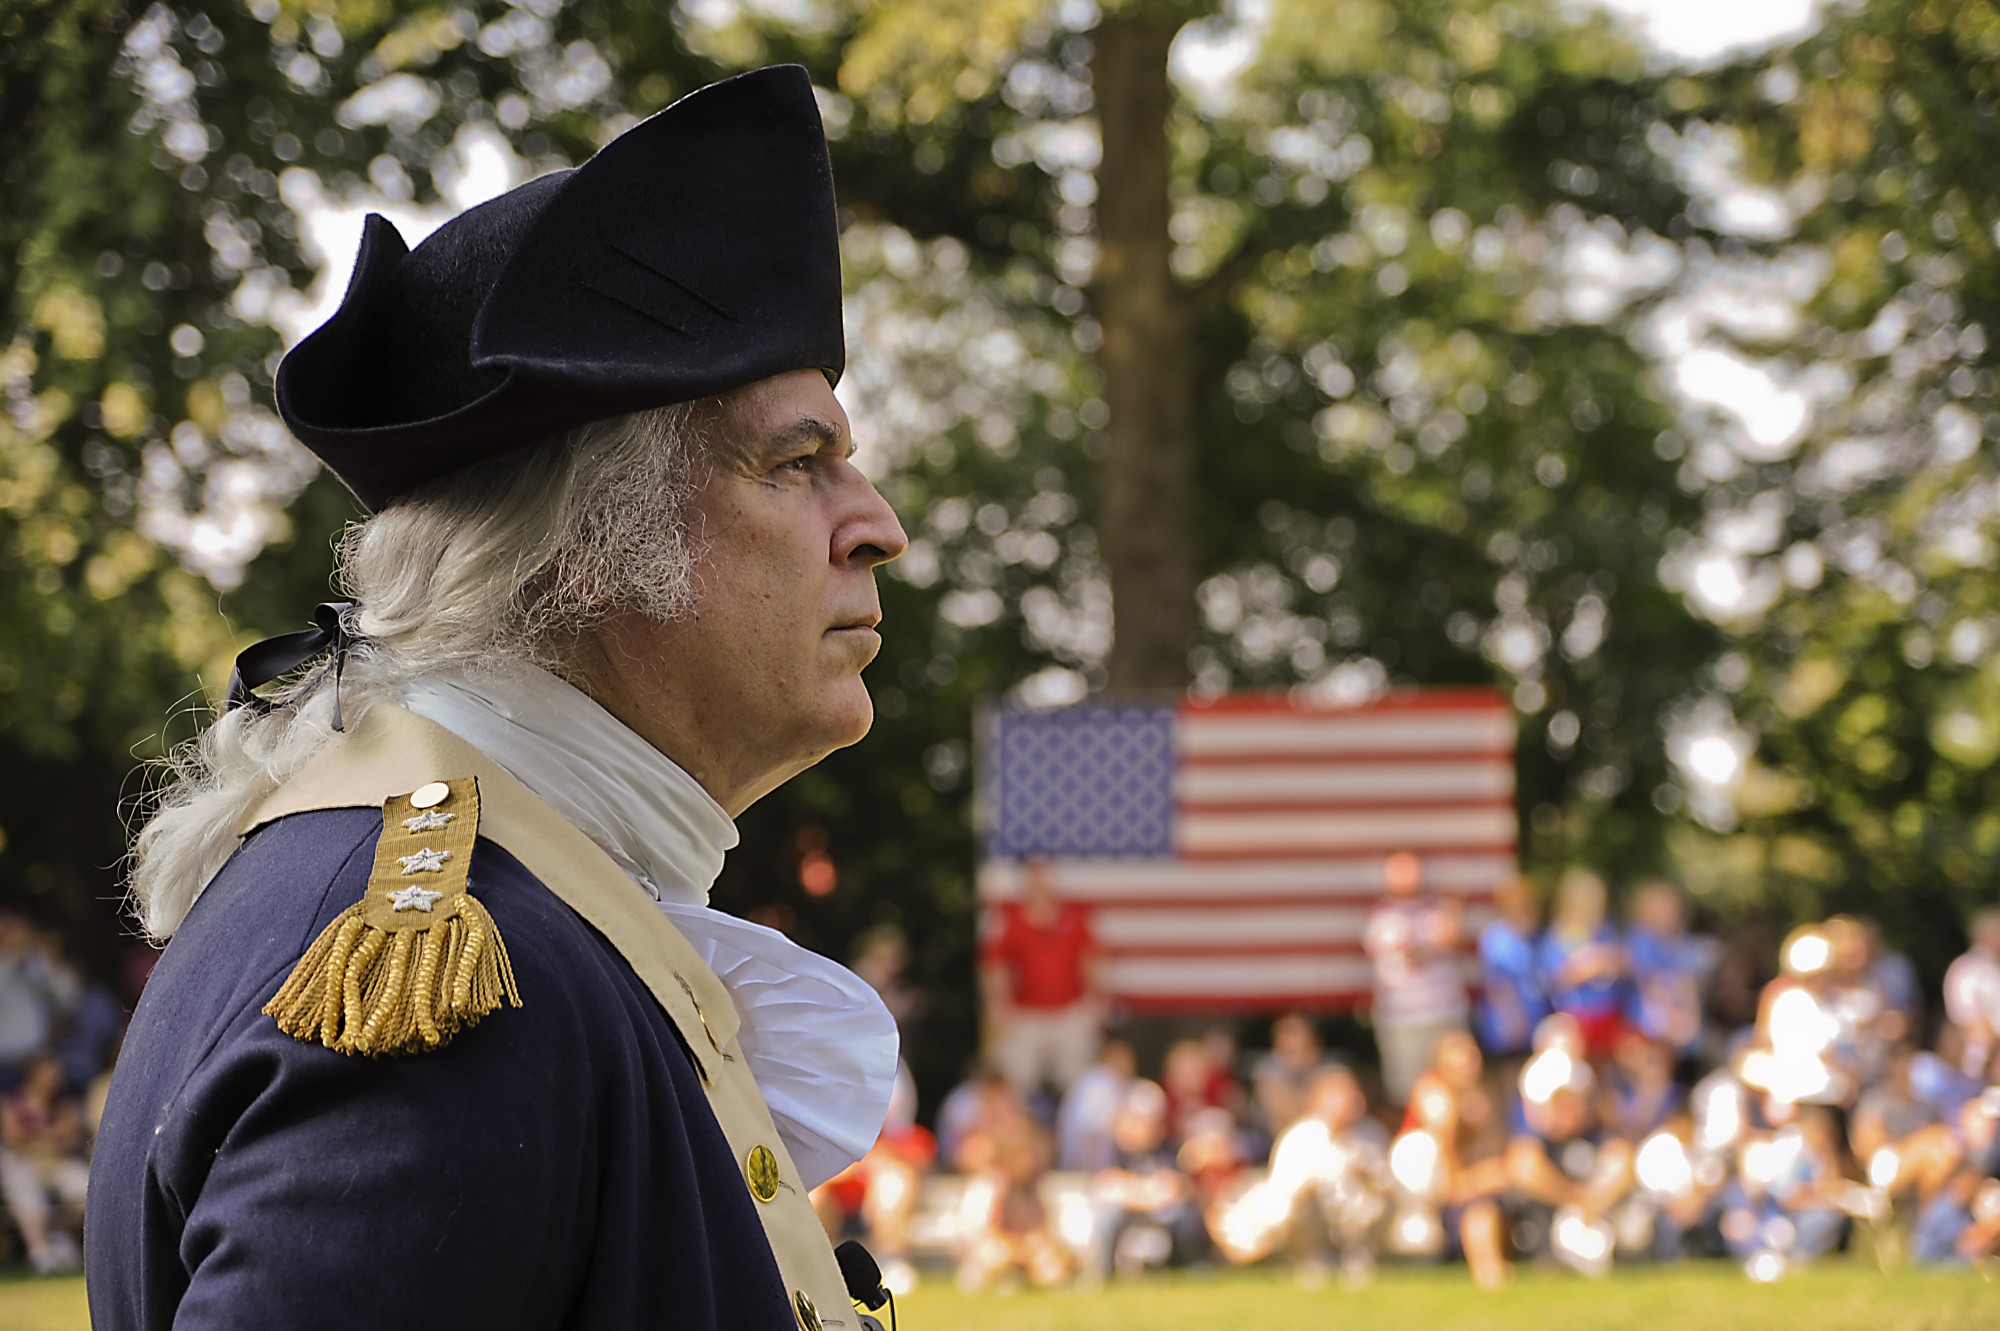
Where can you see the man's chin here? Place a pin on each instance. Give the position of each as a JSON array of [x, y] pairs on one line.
[[857, 713], [845, 717]]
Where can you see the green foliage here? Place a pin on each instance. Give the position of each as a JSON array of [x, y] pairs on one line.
[[1436, 459], [1871, 680], [128, 388], [83, 371]]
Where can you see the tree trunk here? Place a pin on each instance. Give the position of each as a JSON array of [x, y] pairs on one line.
[[1147, 363]]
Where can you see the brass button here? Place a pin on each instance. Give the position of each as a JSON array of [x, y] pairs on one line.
[[761, 1168], [802, 1304], [425, 797]]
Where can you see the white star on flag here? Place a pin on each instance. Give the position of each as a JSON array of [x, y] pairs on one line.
[[414, 898], [430, 820], [424, 861]]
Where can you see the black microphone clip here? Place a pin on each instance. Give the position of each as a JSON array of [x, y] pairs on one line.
[[862, 1276]]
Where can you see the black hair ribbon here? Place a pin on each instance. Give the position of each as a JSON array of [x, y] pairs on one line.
[[262, 662]]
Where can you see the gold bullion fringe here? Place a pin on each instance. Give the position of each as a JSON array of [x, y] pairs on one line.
[[364, 990]]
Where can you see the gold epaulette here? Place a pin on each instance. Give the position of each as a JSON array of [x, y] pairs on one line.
[[401, 970]]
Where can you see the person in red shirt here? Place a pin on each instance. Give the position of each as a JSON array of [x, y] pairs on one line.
[[1038, 974]]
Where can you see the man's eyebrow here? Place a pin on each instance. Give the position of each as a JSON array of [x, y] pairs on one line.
[[817, 430]]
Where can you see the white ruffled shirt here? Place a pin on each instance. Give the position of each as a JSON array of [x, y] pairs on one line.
[[817, 1038]]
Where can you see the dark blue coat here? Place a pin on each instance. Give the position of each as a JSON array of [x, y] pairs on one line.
[[556, 1165]]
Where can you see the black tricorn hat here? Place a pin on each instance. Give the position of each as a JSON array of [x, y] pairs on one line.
[[695, 253]]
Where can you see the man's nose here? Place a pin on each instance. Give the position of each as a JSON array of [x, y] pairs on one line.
[[871, 535]]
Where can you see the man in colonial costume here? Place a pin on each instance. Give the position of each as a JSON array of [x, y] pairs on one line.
[[447, 1034]]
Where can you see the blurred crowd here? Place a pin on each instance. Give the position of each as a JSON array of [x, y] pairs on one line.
[[1586, 1092], [1579, 1096], [59, 1033]]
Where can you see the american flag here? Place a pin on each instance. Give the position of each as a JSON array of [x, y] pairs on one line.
[[1230, 850]]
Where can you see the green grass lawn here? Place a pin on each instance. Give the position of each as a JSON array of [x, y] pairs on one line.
[[1703, 1297], [42, 1305]]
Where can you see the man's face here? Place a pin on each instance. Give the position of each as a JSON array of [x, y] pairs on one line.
[[763, 678]]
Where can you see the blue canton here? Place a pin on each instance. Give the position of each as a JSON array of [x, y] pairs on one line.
[[1089, 781]]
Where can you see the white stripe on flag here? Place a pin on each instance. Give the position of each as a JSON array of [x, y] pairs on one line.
[[1197, 977], [1291, 733], [1201, 833], [1247, 926], [1338, 781], [1138, 929]]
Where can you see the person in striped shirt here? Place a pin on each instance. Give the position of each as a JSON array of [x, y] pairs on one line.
[[1420, 992]]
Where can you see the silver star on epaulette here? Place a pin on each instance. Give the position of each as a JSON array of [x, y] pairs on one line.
[[430, 820], [424, 861], [414, 898]]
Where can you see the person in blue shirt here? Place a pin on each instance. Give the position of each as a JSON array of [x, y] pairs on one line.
[[1511, 1000], [1583, 963], [1665, 994]]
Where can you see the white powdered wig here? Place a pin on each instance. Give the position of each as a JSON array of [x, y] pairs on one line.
[[507, 559]]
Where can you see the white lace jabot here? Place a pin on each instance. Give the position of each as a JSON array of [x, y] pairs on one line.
[[818, 1040]]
